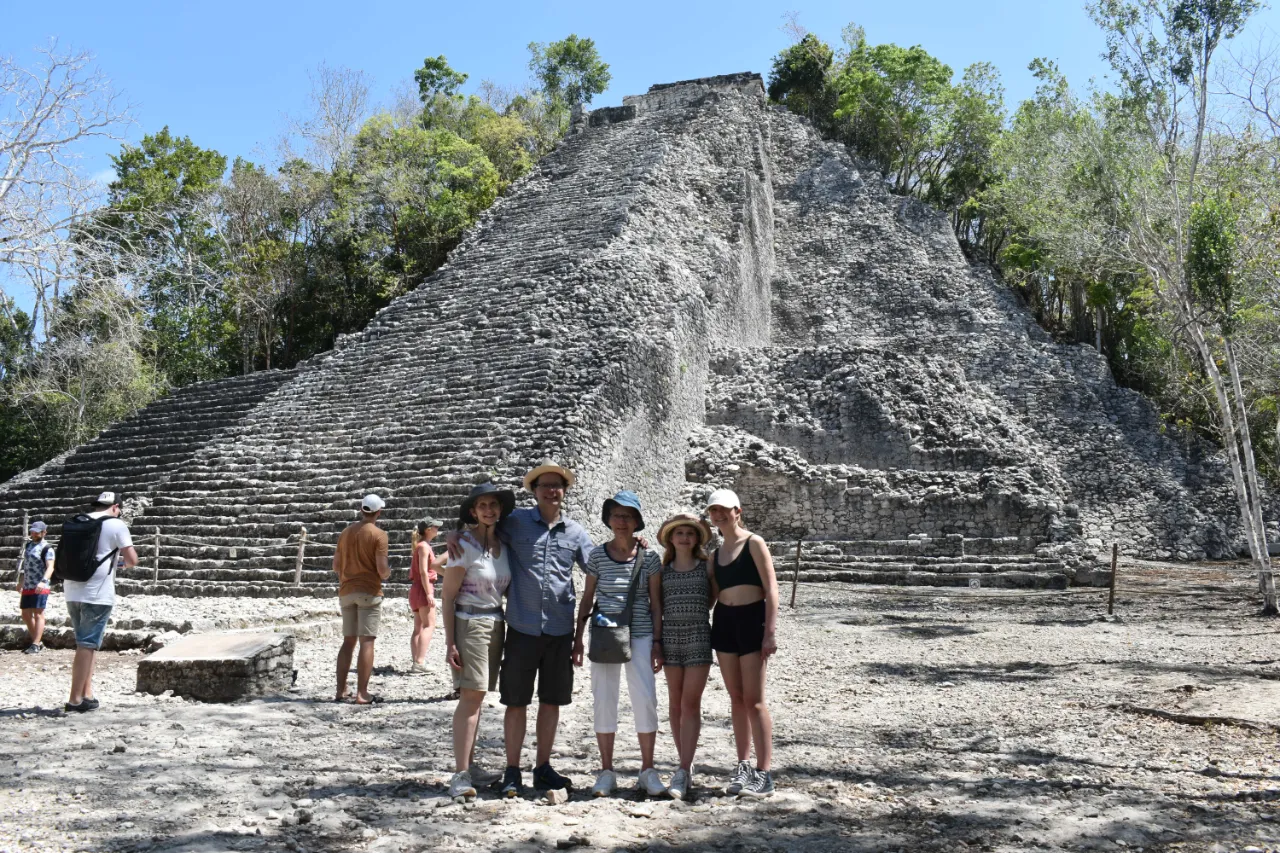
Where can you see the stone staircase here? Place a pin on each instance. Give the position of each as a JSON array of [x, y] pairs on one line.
[[693, 290]]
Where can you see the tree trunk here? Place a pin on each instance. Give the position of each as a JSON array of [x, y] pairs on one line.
[[1228, 420], [1265, 574]]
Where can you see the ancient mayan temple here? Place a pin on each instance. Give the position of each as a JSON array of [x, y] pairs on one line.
[[693, 290]]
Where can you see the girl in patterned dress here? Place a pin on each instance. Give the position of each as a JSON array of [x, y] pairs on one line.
[[686, 635]]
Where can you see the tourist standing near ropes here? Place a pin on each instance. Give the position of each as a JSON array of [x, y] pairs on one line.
[[474, 583], [746, 617], [361, 565], [34, 572], [686, 635], [423, 566], [623, 579], [544, 545]]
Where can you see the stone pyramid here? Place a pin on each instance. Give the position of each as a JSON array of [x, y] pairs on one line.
[[693, 290]]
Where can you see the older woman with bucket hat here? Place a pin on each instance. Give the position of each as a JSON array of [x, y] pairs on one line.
[[622, 600], [474, 584], [686, 635]]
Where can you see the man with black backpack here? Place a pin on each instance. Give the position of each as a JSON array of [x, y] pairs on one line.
[[93, 545]]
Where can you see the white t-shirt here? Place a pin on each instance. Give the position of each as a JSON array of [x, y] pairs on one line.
[[487, 577], [101, 588]]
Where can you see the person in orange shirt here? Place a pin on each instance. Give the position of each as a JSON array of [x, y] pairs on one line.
[[361, 565]]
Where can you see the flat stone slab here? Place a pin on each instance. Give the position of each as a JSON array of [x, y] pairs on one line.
[[220, 667]]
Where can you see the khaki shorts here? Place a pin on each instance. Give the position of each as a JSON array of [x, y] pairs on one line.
[[361, 614], [479, 641]]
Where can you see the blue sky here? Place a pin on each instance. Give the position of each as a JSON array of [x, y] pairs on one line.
[[226, 74]]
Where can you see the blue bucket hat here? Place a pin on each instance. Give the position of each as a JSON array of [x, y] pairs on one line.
[[625, 498], [506, 498]]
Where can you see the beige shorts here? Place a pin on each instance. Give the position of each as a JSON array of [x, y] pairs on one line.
[[479, 642], [361, 614]]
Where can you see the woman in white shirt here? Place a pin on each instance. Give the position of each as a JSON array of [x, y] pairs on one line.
[[474, 584]]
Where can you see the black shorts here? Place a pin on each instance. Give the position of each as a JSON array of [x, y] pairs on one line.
[[545, 657], [738, 630]]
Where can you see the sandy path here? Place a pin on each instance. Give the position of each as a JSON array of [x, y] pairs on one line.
[[903, 721]]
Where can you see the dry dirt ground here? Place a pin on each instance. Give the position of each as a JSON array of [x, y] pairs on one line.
[[904, 720]]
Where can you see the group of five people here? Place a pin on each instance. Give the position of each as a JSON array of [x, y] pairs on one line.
[[508, 603]]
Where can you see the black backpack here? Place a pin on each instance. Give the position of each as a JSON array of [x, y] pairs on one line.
[[77, 555]]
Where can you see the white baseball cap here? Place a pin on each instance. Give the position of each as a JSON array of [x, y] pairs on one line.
[[726, 498], [107, 499], [372, 503]]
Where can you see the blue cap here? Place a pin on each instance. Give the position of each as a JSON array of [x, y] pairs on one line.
[[625, 498], [39, 527]]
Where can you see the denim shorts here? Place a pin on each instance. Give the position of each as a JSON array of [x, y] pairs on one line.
[[89, 621], [32, 600]]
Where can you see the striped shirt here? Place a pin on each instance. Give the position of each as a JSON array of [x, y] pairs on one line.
[[541, 597]]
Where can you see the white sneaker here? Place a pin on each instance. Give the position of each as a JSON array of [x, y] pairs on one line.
[[651, 782], [460, 786], [679, 788], [605, 784], [418, 667]]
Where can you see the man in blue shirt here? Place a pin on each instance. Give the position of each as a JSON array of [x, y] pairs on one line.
[[543, 545]]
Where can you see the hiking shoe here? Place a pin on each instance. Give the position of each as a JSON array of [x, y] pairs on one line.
[[79, 709], [33, 649], [90, 704], [679, 788], [651, 783], [460, 786], [761, 785], [605, 784], [512, 784], [546, 779], [740, 778]]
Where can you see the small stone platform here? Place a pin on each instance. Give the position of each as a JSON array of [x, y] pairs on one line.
[[220, 667]]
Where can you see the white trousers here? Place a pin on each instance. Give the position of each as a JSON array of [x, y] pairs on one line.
[[606, 685]]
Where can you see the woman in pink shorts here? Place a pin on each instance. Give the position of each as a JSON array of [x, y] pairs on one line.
[[422, 578]]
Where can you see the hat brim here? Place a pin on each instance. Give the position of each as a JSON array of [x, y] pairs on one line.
[[610, 503], [533, 475], [669, 526], [506, 498]]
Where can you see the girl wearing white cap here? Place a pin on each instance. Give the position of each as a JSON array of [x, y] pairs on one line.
[[742, 633]]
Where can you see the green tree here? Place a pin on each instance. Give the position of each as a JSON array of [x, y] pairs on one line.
[[799, 79], [570, 71]]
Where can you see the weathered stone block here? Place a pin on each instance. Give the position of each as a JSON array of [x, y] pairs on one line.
[[220, 667]]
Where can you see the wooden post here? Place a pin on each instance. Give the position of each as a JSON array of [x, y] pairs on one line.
[[1111, 598], [795, 576], [302, 550], [155, 567], [22, 544]]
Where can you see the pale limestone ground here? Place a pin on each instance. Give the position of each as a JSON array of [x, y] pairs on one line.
[[903, 721]]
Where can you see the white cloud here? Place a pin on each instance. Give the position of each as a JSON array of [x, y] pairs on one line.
[[103, 177]]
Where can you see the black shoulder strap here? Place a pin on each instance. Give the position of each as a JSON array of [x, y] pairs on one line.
[[636, 574]]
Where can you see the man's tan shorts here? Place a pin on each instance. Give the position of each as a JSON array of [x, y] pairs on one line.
[[479, 641], [361, 614]]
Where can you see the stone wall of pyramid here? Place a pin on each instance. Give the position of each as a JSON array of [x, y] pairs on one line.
[[693, 290]]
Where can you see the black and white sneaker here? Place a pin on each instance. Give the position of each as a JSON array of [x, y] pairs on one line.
[[547, 779], [761, 785], [741, 776], [33, 649]]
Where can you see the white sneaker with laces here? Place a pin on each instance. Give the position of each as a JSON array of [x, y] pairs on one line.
[[679, 788], [605, 784], [460, 786], [652, 783]]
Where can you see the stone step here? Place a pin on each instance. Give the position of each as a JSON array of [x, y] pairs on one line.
[[980, 580]]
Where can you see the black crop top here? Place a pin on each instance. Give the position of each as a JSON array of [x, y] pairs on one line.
[[741, 572]]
